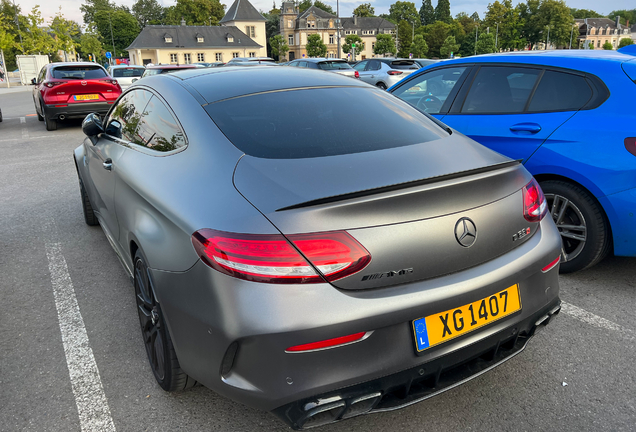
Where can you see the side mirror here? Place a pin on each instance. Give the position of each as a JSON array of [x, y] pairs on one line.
[[114, 129], [135, 80], [33, 81], [92, 125]]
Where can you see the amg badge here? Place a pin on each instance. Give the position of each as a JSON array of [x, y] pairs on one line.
[[387, 274]]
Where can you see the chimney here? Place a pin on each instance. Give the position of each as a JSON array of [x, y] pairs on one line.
[[618, 22], [183, 23], [355, 20]]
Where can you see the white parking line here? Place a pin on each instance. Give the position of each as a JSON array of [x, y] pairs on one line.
[[25, 131], [92, 406], [595, 320]]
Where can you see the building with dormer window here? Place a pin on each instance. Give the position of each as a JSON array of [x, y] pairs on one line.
[[241, 33], [295, 27], [597, 31]]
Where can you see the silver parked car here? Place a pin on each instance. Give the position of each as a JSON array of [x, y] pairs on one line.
[[125, 75], [338, 66], [302, 263], [384, 72]]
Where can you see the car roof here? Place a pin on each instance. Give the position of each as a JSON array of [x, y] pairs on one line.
[[215, 84], [61, 64], [126, 66], [321, 59], [570, 59], [188, 66]]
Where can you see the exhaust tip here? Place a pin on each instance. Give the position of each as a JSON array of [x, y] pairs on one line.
[[62, 117]]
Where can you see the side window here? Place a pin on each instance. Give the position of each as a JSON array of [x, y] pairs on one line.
[[373, 65], [429, 91], [158, 129], [125, 116], [560, 91], [302, 64], [498, 89], [360, 66], [42, 75]]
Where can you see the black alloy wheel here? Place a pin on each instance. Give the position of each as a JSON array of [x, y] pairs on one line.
[[89, 215], [381, 86], [161, 354], [581, 222]]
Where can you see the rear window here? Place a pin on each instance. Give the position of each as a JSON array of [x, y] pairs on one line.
[[320, 122], [559, 91], [333, 65], [127, 72], [78, 72], [404, 64]]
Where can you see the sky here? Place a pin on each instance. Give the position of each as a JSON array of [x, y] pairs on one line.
[[70, 8]]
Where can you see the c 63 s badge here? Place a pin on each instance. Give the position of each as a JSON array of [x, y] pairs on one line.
[[521, 234]]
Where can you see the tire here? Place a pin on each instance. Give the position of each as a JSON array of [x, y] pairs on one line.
[[89, 215], [0, 116], [40, 118], [381, 86], [581, 222], [161, 353], [50, 124]]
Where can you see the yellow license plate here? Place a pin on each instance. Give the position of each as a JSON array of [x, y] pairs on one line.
[[441, 327], [86, 97]]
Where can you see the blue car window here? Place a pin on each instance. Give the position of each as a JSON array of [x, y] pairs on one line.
[[502, 90], [559, 91]]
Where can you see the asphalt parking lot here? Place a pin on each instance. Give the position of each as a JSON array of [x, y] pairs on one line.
[[71, 355]]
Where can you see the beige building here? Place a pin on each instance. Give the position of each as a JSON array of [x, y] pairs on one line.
[[598, 31], [296, 27], [159, 44]]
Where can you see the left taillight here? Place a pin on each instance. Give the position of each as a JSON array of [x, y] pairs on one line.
[[535, 206], [394, 72], [277, 259], [356, 74], [50, 84]]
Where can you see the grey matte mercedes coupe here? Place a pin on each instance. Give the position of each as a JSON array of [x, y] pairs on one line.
[[310, 245]]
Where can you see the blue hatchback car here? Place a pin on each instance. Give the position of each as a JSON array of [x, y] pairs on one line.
[[569, 116]]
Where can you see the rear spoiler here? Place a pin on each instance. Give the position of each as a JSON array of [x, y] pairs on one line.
[[629, 50]]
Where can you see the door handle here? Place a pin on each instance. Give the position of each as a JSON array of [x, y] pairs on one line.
[[528, 128], [108, 164]]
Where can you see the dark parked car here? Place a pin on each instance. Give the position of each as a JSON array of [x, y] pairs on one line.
[[310, 265], [72, 90], [560, 112]]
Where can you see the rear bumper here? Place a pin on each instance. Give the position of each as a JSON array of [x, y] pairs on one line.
[[77, 110], [231, 335]]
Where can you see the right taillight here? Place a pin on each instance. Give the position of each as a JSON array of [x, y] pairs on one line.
[[630, 145], [276, 259], [357, 74], [50, 84], [534, 205]]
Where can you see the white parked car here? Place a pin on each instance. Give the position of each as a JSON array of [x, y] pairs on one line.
[[125, 74]]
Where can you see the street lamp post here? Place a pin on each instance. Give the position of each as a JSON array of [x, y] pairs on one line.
[[496, 36], [547, 42], [476, 27], [17, 21], [112, 39], [338, 25], [571, 33]]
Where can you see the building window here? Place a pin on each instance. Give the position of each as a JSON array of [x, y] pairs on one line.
[[235, 55], [290, 23], [598, 43], [173, 58], [201, 57], [219, 57], [168, 39], [372, 46], [331, 39], [311, 23], [367, 32], [187, 59], [290, 39], [230, 38], [199, 39], [252, 54], [250, 31]]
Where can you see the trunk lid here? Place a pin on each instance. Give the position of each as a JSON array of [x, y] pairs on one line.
[[403, 204]]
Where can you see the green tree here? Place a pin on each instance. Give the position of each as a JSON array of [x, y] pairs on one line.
[[485, 44], [35, 38], [7, 38], [304, 5], [467, 40], [435, 34], [195, 12], [419, 47], [147, 12], [427, 13], [442, 11], [364, 10], [272, 26], [323, 6], [608, 46], [402, 10], [350, 40], [65, 32], [124, 30], [279, 46], [449, 46], [624, 42], [315, 46], [505, 20], [626, 15], [539, 16], [405, 38], [92, 6], [584, 13], [91, 45], [384, 44]]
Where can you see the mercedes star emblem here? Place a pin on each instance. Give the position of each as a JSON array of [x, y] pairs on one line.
[[465, 232]]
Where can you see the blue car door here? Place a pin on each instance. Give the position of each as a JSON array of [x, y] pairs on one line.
[[501, 110]]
